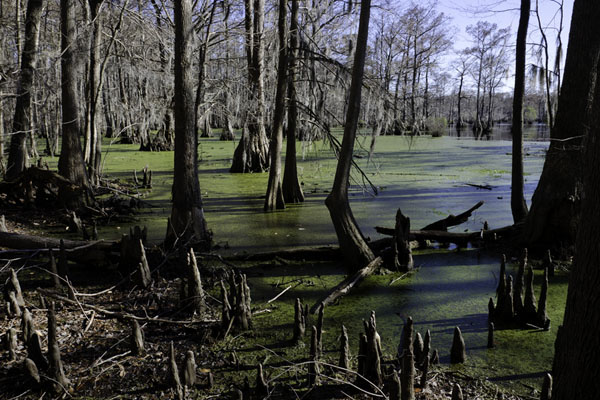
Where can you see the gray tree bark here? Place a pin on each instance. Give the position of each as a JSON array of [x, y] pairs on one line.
[[17, 156], [517, 199], [187, 223], [352, 242]]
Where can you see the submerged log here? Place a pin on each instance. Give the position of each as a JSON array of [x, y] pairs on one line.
[[458, 353], [459, 238], [347, 284]]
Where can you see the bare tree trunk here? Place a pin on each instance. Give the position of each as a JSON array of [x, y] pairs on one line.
[[352, 243], [517, 199], [251, 154], [553, 219], [17, 157], [292, 191], [94, 87], [577, 343], [274, 197], [70, 163], [187, 223]]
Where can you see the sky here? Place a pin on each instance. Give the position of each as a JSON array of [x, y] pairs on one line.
[[506, 13]]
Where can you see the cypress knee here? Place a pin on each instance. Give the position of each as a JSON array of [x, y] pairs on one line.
[[458, 352], [344, 350], [457, 392]]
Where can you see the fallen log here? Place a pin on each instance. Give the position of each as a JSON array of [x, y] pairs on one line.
[[459, 238], [452, 220], [442, 224], [344, 287], [76, 250]]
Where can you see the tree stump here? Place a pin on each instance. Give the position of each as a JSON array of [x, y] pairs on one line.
[[403, 260], [189, 373], [426, 347], [195, 291], [407, 376], [137, 339], [13, 308], [457, 392], [63, 262], [54, 270], [174, 381], [313, 366], [11, 344], [142, 276], [362, 355], [27, 325], [395, 386], [425, 372], [549, 264], [546, 388], [529, 310], [13, 285], [406, 340], [299, 321], [34, 351], [542, 315], [418, 348], [32, 372], [60, 382], [501, 289], [373, 352], [320, 330], [344, 361], [458, 352], [226, 311], [491, 309], [519, 284], [435, 358], [490, 340], [262, 389]]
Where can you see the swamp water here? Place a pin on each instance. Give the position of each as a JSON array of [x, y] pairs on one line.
[[428, 178]]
